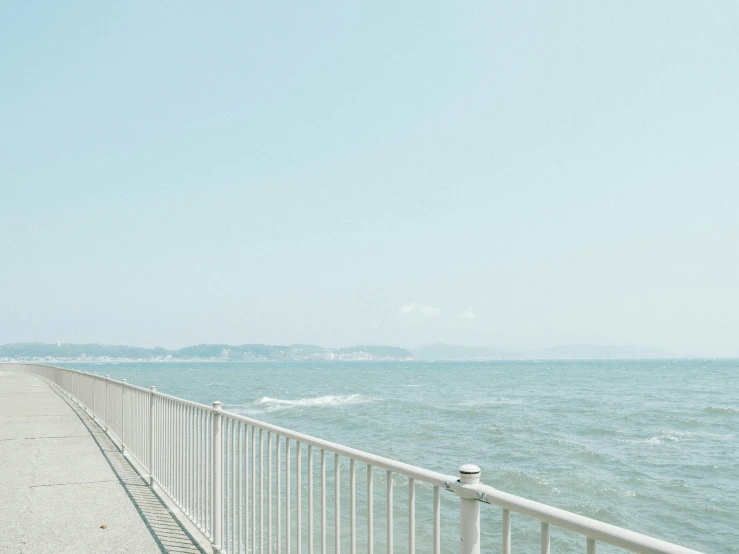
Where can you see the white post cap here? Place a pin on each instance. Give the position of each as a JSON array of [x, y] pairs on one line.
[[469, 474]]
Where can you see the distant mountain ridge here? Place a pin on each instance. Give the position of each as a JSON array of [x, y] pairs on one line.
[[601, 352], [441, 351], [224, 352], [298, 352]]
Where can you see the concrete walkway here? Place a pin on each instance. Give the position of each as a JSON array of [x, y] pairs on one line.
[[62, 480]]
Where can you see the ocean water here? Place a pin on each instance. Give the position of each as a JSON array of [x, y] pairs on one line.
[[652, 446]]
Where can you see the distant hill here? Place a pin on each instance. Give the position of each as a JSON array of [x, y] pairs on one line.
[[378, 351], [599, 352], [296, 352], [41, 350], [441, 351], [224, 352]]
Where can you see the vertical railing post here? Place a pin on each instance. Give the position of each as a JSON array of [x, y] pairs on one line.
[[469, 513], [123, 417], [105, 408], [217, 473], [151, 435]]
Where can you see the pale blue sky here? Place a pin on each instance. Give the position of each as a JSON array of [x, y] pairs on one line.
[[515, 175]]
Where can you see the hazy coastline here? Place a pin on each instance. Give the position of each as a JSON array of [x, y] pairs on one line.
[[64, 352]]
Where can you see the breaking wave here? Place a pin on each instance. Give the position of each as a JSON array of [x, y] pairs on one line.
[[493, 402], [671, 436], [272, 404], [725, 411]]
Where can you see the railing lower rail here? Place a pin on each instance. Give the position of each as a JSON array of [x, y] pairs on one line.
[[221, 469]]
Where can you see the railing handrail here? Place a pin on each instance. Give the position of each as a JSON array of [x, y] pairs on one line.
[[426, 475], [583, 525]]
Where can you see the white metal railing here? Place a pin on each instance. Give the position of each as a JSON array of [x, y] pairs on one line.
[[221, 469]]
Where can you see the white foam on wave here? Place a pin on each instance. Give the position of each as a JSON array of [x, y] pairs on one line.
[[672, 436], [721, 410], [273, 404], [493, 402]]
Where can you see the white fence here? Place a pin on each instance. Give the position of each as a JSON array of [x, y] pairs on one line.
[[245, 483]]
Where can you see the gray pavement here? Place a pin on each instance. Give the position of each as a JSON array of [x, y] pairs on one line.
[[62, 479]]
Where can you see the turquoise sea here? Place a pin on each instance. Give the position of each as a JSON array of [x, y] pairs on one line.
[[652, 446]]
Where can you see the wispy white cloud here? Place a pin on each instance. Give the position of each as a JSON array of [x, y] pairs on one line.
[[469, 314], [464, 320], [407, 308], [418, 311], [428, 311]]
